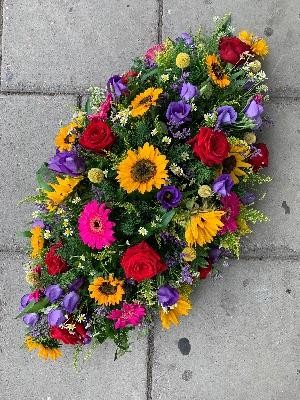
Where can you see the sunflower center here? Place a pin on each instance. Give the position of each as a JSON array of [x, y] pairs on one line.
[[96, 225], [143, 171], [217, 70], [229, 164], [145, 101], [107, 288]]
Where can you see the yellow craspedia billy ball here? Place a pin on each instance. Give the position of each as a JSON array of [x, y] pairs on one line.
[[183, 60], [95, 175], [250, 137]]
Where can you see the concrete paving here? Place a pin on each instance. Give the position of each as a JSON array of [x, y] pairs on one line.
[[240, 341]]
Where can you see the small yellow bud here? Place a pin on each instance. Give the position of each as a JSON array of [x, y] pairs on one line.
[[204, 191], [32, 278], [183, 60], [250, 137], [255, 66], [189, 254], [95, 175]]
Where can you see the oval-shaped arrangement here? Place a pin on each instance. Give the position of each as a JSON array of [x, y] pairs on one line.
[[152, 183]]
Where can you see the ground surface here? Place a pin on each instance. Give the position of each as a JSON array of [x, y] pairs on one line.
[[240, 341]]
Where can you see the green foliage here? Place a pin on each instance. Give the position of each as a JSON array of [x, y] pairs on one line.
[[231, 241], [252, 215]]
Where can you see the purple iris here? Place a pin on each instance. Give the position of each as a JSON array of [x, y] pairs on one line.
[[77, 283], [167, 295], [188, 91], [248, 198], [169, 197], [186, 37], [67, 162], [56, 317], [253, 111], [53, 292], [178, 112], [31, 319], [70, 301], [226, 116], [214, 254], [223, 185], [116, 86]]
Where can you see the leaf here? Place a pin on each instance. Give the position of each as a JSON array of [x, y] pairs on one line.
[[148, 75], [44, 175], [87, 106], [34, 307], [27, 234], [166, 219], [161, 127]]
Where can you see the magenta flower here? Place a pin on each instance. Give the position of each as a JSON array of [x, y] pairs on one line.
[[231, 206], [128, 315]]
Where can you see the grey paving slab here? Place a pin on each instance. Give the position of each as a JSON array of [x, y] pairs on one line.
[[281, 233], [69, 45], [28, 125], [277, 20], [25, 377], [243, 335]]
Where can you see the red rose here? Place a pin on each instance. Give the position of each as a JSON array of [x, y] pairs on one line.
[[210, 146], [78, 335], [130, 74], [204, 272], [142, 262], [260, 157], [97, 136], [231, 50], [55, 264]]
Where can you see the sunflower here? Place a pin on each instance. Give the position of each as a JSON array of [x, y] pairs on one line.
[[37, 241], [203, 227], [142, 170], [44, 352], [61, 191], [258, 45], [216, 72], [66, 136], [143, 101], [170, 315], [234, 163], [106, 291]]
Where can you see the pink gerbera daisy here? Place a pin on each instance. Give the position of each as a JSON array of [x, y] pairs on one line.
[[231, 206], [129, 314], [95, 229]]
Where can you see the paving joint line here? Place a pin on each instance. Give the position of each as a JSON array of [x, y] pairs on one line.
[[160, 20], [1, 33], [150, 355]]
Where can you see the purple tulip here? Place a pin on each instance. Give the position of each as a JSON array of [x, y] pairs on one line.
[[226, 116], [248, 198], [214, 254], [253, 111], [223, 185], [169, 197], [188, 91], [116, 86], [31, 319], [186, 37], [56, 317], [53, 292], [77, 283], [177, 112], [167, 295], [67, 162], [70, 301]]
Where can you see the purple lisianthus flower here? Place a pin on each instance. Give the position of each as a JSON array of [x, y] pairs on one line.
[[67, 162], [31, 319], [254, 111], [188, 91], [167, 295], [178, 111], [186, 37], [77, 283], [56, 317], [223, 185], [70, 301], [38, 222], [169, 197], [25, 300], [116, 86], [226, 116], [248, 198], [87, 339], [214, 254], [53, 292]]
